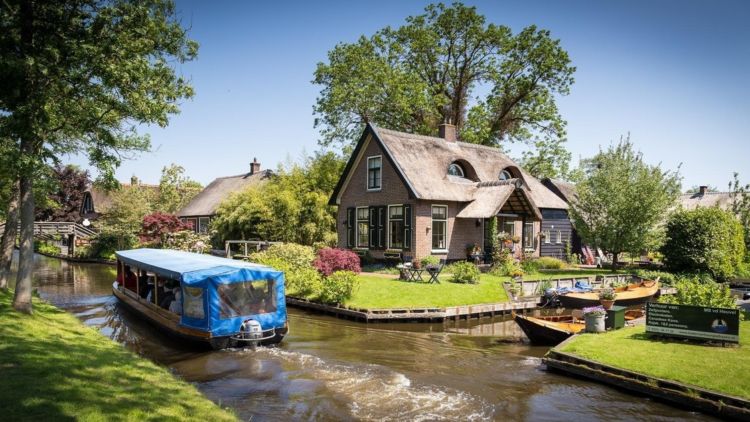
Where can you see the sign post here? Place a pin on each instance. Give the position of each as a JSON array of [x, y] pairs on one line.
[[693, 322]]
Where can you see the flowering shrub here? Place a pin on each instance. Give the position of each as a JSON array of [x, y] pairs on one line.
[[607, 293], [157, 226], [594, 311], [330, 260], [338, 287]]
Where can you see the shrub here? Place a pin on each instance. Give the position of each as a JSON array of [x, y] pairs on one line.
[[107, 242], [429, 260], [330, 260], [157, 226], [296, 256], [665, 278], [464, 272], [697, 292], [530, 266], [46, 248], [302, 281], [704, 240], [550, 263], [338, 287]]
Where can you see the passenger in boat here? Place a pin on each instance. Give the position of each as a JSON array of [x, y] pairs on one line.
[[159, 290], [165, 301], [131, 281], [143, 286], [176, 305]]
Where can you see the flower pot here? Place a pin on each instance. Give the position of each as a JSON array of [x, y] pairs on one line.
[[594, 323], [607, 304]]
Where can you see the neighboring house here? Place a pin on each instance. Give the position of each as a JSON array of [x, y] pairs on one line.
[[566, 191], [704, 198], [418, 195], [97, 201], [201, 209]]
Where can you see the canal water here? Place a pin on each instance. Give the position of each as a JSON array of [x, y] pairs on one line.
[[331, 369]]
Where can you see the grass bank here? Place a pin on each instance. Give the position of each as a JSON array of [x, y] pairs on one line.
[[714, 368], [52, 367]]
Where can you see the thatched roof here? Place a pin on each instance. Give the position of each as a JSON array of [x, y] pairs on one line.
[[423, 161], [565, 190], [102, 199], [208, 200], [692, 201]]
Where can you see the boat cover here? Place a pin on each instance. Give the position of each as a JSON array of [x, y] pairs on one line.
[[208, 272]]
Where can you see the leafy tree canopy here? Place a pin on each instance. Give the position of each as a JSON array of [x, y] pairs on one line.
[[175, 189], [66, 197], [740, 194], [424, 73], [621, 200]]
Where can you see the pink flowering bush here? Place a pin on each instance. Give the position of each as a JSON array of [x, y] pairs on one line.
[[329, 260]]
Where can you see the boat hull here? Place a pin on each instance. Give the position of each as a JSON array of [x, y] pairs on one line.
[[169, 323], [542, 332], [638, 296]]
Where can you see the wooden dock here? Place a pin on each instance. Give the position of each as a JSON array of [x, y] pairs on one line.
[[417, 314]]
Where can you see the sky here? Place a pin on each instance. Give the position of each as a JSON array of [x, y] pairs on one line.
[[671, 74]]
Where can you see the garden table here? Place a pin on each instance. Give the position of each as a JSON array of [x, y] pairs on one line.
[[415, 274]]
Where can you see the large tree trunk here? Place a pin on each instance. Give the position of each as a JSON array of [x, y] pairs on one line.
[[22, 298], [8, 241], [615, 255]]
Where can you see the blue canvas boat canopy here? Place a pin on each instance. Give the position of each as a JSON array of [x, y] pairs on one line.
[[187, 267]]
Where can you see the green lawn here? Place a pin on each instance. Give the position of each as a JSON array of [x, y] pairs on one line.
[[713, 368], [52, 367]]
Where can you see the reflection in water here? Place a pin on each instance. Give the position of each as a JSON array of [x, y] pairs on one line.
[[333, 369]]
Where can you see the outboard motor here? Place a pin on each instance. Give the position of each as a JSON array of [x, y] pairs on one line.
[[251, 330], [550, 297]]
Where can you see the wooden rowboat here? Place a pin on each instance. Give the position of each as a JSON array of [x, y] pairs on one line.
[[549, 330], [633, 295]]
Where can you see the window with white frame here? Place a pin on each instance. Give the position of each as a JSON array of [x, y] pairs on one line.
[[559, 237], [528, 236], [363, 227], [547, 236], [203, 224], [374, 172], [396, 226], [439, 227]]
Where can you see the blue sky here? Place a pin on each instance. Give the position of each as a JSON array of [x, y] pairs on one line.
[[673, 74]]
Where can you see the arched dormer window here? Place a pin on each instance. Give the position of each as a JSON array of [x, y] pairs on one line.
[[455, 169], [505, 175]]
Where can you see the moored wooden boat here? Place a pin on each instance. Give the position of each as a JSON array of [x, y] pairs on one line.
[[215, 301], [636, 294], [549, 330]]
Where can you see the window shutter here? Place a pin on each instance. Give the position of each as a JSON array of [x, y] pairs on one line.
[[407, 227], [350, 227], [381, 226], [373, 224]]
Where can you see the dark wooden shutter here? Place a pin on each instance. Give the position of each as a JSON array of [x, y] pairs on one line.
[[407, 227], [381, 226], [350, 216], [372, 226]]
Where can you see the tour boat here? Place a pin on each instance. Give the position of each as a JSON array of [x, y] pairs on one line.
[[634, 294], [549, 330], [201, 298]]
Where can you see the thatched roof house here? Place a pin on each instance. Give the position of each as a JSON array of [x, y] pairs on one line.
[[433, 195], [704, 198], [203, 206], [98, 201]]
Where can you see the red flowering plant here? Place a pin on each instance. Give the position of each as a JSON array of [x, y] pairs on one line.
[[158, 226], [329, 260]]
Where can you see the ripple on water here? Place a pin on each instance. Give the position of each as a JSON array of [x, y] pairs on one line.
[[375, 392]]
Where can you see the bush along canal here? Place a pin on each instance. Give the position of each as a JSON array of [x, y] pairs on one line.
[[333, 369]]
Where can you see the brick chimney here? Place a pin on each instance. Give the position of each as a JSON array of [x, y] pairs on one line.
[[447, 131], [702, 190], [254, 166]]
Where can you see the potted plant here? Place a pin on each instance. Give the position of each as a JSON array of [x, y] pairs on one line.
[[594, 317], [516, 239], [607, 297], [430, 263]]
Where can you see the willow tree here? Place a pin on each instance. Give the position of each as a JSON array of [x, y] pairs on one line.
[[427, 72], [79, 76], [621, 202]]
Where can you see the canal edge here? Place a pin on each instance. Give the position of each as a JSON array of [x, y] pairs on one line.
[[673, 392]]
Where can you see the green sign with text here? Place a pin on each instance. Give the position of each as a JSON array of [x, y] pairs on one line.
[[693, 322]]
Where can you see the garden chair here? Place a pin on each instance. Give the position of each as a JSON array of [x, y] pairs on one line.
[[434, 273]]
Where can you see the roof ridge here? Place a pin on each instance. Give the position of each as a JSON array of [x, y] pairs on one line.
[[244, 174], [439, 139]]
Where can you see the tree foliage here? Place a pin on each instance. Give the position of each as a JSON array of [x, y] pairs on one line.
[[621, 200], [424, 73], [291, 207], [707, 240], [65, 200], [741, 205], [158, 226], [175, 189], [79, 76]]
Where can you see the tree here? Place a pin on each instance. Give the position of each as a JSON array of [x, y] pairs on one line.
[[66, 198], [741, 205], [425, 72], [621, 201], [706, 239], [158, 226], [79, 76], [175, 189], [548, 158]]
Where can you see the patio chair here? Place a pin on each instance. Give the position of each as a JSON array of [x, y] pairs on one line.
[[434, 273]]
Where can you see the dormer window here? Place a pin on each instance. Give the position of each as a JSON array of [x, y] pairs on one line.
[[505, 175], [456, 170], [374, 172]]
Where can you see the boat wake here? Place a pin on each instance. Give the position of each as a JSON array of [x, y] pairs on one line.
[[375, 392]]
